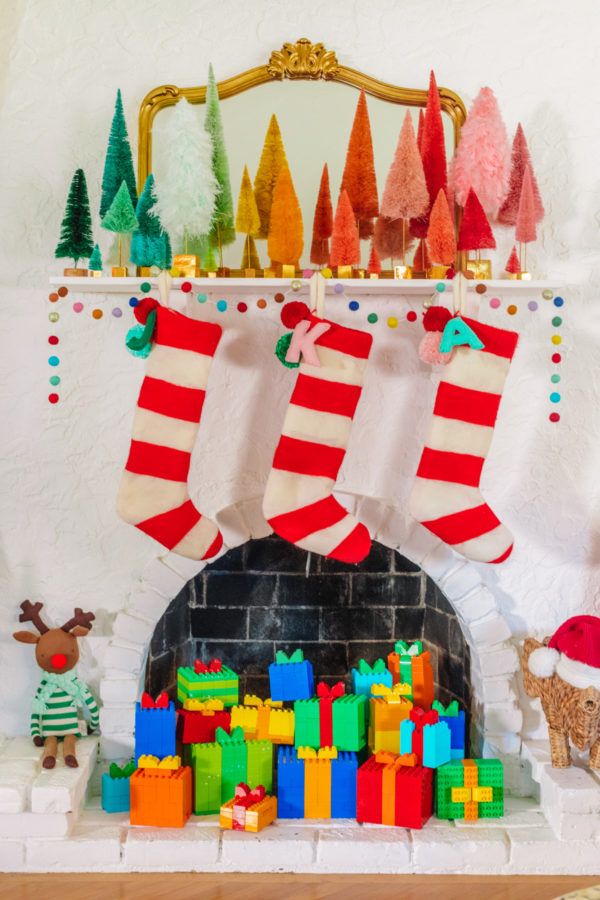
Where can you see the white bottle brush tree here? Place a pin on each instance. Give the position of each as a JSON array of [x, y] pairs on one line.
[[185, 196]]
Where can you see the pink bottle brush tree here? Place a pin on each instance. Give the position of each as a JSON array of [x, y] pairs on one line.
[[440, 236], [525, 230], [482, 159], [345, 244], [520, 159]]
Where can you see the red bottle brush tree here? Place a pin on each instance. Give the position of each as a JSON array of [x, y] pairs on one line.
[[422, 259], [420, 129], [359, 179], [513, 266], [440, 236], [482, 159], [345, 243], [525, 230], [322, 222], [520, 159], [374, 266], [286, 237], [475, 232], [433, 154]]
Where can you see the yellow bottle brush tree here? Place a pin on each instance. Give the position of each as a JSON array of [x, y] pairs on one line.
[[247, 220], [286, 232], [272, 160]]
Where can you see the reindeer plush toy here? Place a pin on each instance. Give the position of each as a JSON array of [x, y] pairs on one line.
[[61, 693]]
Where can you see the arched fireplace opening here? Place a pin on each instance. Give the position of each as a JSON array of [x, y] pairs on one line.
[[268, 595]]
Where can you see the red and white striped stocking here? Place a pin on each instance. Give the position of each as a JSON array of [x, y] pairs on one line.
[[298, 501], [446, 497], [153, 493]]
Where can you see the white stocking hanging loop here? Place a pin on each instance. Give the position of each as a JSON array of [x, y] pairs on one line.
[[459, 294], [317, 294], [164, 286]]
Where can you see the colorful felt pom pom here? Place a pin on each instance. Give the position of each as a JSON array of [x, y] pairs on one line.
[[429, 349], [436, 318]]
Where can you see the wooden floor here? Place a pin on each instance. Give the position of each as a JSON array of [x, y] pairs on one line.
[[288, 887]]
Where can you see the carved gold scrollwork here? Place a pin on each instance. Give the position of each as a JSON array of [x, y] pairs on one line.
[[303, 60]]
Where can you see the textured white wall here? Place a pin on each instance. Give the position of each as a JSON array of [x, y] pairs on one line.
[[61, 540]]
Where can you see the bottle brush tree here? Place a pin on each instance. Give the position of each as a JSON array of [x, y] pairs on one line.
[[359, 179], [148, 244], [513, 266], [76, 228], [120, 215], [185, 197], [223, 230], [345, 242], [405, 195], [433, 154], [440, 235], [247, 220], [475, 232], [374, 265], [520, 159], [118, 165], [286, 240], [272, 160], [95, 261], [250, 259], [422, 260], [525, 230], [482, 157], [390, 239], [322, 222]]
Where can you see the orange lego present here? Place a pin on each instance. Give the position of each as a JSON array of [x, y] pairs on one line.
[[161, 796]]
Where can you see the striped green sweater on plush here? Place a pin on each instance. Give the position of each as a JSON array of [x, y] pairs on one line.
[[54, 708]]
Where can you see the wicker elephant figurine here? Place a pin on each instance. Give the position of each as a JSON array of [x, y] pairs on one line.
[[567, 681]]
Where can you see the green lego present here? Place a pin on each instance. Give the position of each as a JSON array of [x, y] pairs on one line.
[[331, 719], [204, 682], [217, 768], [470, 789]]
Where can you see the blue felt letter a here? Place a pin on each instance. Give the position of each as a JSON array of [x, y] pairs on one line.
[[456, 333]]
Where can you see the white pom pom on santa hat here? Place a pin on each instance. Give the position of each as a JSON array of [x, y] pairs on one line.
[[573, 652], [542, 662]]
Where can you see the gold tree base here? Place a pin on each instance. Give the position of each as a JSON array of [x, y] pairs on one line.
[[403, 272], [75, 273], [119, 272], [187, 265], [268, 273], [524, 276], [288, 271], [437, 271], [95, 273], [142, 271], [481, 268], [344, 272], [249, 273]]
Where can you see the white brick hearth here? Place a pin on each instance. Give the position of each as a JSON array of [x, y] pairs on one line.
[[49, 822]]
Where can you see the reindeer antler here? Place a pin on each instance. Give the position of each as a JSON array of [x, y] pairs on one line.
[[31, 613], [80, 618]]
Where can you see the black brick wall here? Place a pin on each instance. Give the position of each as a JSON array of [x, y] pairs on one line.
[[268, 595]]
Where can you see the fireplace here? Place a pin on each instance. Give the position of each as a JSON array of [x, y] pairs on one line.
[[267, 595]]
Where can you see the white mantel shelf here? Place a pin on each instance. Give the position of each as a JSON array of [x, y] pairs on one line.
[[383, 286]]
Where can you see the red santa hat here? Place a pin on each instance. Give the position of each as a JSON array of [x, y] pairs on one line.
[[573, 652]]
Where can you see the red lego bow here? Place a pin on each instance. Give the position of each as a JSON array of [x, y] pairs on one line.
[[244, 795], [327, 693], [162, 701], [421, 717], [201, 668]]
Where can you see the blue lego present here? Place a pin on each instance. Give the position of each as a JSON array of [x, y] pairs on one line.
[[154, 727], [455, 720], [115, 788], [315, 784], [425, 736], [291, 677]]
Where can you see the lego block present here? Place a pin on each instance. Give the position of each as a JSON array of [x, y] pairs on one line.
[[204, 681], [331, 719], [390, 792], [161, 796], [248, 810], [220, 766], [365, 676], [455, 720], [264, 720], [425, 736], [115, 788], [470, 789], [387, 712], [291, 677], [198, 721], [315, 784], [410, 664], [154, 727]]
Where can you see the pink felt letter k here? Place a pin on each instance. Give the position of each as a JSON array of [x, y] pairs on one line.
[[303, 341]]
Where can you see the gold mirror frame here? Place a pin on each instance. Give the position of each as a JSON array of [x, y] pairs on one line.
[[302, 60]]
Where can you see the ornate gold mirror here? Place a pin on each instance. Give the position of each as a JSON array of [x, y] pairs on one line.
[[307, 89]]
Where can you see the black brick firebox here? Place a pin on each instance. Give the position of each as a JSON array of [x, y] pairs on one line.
[[268, 595]]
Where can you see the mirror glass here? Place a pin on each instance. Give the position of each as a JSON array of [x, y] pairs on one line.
[[315, 119]]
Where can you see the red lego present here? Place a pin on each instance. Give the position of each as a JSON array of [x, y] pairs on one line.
[[394, 790], [198, 721]]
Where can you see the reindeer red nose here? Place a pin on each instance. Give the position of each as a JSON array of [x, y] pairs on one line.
[[59, 660]]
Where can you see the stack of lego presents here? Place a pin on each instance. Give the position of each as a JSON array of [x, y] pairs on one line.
[[386, 753]]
